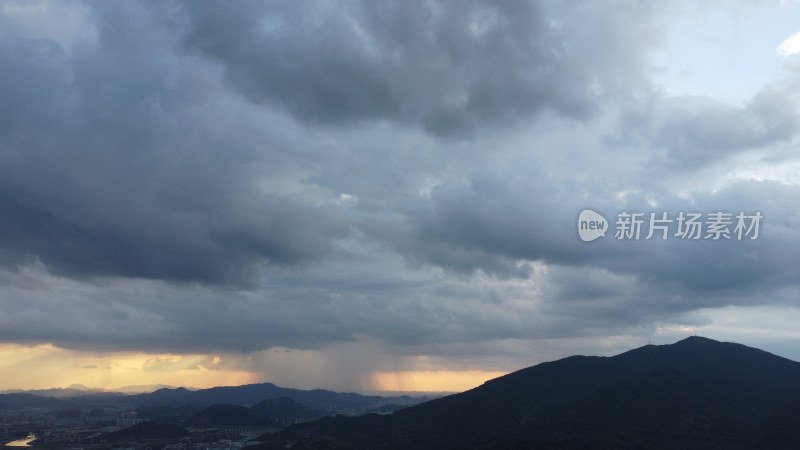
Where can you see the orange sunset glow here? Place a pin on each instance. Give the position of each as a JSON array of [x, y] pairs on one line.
[[45, 365], [431, 381]]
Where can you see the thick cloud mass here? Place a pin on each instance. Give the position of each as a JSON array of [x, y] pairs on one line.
[[448, 66], [203, 176], [120, 160]]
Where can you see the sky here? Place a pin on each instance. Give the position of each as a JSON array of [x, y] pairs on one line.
[[384, 196]]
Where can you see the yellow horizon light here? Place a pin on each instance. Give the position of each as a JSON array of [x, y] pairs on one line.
[[431, 380]]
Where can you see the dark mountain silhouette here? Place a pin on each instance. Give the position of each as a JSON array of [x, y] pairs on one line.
[[696, 393], [24, 400], [232, 415], [284, 407], [250, 394], [273, 412]]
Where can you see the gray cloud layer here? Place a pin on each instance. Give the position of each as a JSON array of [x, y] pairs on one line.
[[447, 66], [199, 176]]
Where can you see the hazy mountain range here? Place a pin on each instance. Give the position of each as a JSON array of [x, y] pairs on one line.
[[246, 395], [76, 390], [696, 393]]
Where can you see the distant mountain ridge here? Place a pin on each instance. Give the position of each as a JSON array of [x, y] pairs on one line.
[[696, 393], [245, 395], [76, 390], [250, 394]]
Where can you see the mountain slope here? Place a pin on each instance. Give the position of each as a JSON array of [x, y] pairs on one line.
[[231, 415], [696, 393], [285, 408], [273, 412]]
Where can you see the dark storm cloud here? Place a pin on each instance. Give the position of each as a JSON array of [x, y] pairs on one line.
[[448, 66], [122, 156], [307, 153], [502, 219], [498, 215], [488, 223], [118, 161]]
